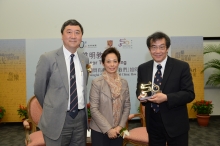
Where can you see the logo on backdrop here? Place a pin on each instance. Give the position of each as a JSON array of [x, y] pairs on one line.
[[109, 44], [85, 44], [182, 55], [125, 44]]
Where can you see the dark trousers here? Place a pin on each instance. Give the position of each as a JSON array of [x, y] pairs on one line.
[[100, 139], [158, 135]]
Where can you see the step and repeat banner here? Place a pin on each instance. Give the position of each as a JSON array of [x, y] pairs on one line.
[[18, 60]]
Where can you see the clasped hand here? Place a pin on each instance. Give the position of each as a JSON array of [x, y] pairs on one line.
[[114, 132]]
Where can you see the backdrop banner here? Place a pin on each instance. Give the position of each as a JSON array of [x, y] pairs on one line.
[[190, 49], [12, 78], [133, 52]]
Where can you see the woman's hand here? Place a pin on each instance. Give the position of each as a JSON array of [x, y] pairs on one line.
[[117, 129], [112, 133]]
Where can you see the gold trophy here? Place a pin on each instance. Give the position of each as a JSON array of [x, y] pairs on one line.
[[147, 88]]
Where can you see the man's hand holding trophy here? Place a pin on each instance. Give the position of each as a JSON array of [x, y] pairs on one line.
[[148, 88]]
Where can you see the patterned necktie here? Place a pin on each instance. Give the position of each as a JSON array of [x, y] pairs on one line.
[[73, 90], [157, 80]]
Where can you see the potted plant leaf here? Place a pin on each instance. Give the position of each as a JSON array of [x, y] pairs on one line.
[[203, 108], [22, 112], [2, 112], [214, 78], [89, 113]]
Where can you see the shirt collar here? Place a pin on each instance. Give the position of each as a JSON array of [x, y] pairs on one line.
[[163, 63], [68, 53]]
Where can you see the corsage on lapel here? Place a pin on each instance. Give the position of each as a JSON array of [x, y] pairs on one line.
[[89, 68]]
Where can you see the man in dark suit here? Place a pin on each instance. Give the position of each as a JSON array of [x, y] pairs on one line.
[[166, 111], [53, 78]]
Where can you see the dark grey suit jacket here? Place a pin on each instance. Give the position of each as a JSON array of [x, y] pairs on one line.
[[52, 90], [178, 86]]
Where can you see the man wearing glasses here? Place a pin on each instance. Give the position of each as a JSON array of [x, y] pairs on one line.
[[166, 110]]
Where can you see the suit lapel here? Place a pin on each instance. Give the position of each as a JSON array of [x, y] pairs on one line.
[[167, 71], [83, 64], [123, 89], [150, 70], [62, 68], [106, 89]]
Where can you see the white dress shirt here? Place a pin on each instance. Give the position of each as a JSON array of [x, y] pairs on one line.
[[79, 77], [163, 63]]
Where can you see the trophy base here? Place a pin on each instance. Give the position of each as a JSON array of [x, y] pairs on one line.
[[145, 98]]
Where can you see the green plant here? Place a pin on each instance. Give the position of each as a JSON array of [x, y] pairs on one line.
[[22, 111], [2, 112], [123, 132], [214, 79], [88, 110], [203, 107]]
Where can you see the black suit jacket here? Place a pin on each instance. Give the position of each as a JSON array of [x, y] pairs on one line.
[[178, 86]]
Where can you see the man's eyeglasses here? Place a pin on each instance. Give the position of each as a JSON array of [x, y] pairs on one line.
[[161, 48]]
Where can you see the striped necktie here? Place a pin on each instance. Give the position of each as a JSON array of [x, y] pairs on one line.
[[73, 90], [157, 80]]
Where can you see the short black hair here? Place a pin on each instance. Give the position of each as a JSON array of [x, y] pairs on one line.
[[71, 22], [111, 50], [157, 36]]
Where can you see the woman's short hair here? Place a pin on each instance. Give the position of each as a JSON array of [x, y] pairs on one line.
[[111, 50]]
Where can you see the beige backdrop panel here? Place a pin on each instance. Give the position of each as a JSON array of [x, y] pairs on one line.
[[12, 78], [190, 49]]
